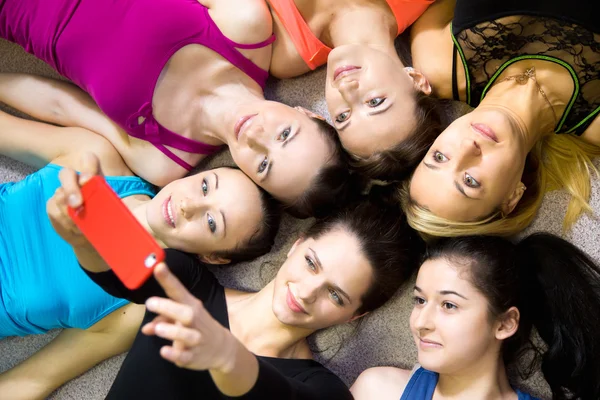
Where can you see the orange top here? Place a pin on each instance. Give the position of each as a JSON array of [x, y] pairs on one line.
[[312, 50]]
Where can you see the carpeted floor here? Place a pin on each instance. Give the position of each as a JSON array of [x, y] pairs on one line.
[[383, 338]]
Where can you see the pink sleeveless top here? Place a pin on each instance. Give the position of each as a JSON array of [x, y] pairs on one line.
[[116, 49]]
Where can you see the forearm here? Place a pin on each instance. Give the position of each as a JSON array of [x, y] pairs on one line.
[[239, 376], [42, 98]]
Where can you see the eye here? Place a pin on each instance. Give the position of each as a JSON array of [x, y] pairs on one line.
[[376, 101], [212, 224], [448, 306], [439, 157], [342, 117], [336, 297], [204, 187], [470, 181], [419, 301], [285, 134], [263, 165], [310, 264]]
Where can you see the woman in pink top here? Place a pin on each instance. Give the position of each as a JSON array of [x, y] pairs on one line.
[[169, 81]]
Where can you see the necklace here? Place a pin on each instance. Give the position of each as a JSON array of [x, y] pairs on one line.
[[522, 79]]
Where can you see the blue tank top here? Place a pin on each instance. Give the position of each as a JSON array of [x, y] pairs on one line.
[[422, 383], [41, 284]]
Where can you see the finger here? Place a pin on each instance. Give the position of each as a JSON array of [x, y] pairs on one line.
[[186, 337], [70, 184], [173, 288], [171, 309], [149, 328], [90, 166], [179, 357], [56, 209]]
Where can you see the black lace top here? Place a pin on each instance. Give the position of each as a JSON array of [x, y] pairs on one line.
[[565, 32]]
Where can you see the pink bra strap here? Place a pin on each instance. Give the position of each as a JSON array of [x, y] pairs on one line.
[[259, 45], [173, 156]]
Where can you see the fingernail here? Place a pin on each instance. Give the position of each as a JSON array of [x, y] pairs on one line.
[[160, 328], [151, 303], [73, 200]]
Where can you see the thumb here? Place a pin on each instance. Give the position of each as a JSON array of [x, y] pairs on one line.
[[90, 166]]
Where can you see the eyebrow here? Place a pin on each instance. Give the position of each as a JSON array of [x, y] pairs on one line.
[[344, 127], [460, 189], [456, 184], [216, 180], [442, 292], [380, 110], [266, 175], [314, 253], [290, 139], [224, 223]]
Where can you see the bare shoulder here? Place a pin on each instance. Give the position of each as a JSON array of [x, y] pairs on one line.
[[592, 133], [382, 383], [431, 46], [243, 21]]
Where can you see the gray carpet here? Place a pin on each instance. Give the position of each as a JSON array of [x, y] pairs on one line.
[[383, 338]]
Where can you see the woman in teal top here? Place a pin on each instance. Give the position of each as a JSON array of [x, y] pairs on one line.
[[41, 284]]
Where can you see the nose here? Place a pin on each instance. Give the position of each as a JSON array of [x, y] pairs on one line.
[[423, 320], [469, 150], [256, 137], [349, 90], [308, 290], [192, 206]]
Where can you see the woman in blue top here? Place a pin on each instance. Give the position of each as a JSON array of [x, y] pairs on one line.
[[219, 214], [477, 299]]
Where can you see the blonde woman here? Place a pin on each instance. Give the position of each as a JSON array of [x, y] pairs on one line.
[[532, 72]]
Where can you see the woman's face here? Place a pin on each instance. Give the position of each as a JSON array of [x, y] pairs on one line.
[[473, 168], [371, 98], [208, 212], [322, 281], [450, 322], [279, 147]]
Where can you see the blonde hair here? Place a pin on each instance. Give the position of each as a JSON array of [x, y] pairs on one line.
[[556, 162]]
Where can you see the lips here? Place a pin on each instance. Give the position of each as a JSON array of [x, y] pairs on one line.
[[429, 344], [293, 304], [344, 70], [242, 124], [485, 131], [168, 214]]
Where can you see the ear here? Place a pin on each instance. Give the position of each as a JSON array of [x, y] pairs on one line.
[[213, 259], [309, 113], [509, 205], [509, 324], [358, 316], [419, 81]]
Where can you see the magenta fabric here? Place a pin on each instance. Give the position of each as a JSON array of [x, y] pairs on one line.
[[116, 49]]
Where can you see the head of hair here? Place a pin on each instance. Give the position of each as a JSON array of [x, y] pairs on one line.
[[263, 238], [392, 248], [333, 186], [556, 288], [555, 162], [397, 162]]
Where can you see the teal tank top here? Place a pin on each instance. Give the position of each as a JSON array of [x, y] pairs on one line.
[[42, 286]]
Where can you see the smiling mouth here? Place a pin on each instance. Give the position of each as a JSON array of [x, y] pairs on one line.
[[168, 214], [344, 70], [242, 124], [293, 303]]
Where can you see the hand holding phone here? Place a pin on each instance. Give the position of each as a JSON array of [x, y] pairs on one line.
[[109, 226]]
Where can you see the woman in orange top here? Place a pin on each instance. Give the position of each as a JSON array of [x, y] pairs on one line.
[[366, 81]]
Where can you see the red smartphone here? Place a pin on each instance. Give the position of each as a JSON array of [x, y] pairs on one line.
[[123, 243]]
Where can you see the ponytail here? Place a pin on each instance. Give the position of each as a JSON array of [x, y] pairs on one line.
[[556, 288], [562, 291]]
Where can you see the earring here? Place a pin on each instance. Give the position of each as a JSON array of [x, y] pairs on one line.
[[523, 187], [409, 69]]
